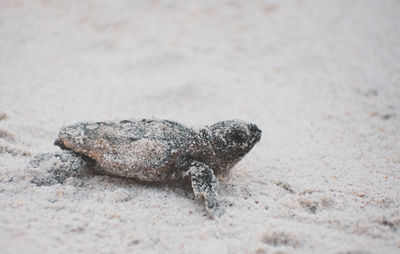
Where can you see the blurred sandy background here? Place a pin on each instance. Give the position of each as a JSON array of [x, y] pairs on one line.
[[320, 78]]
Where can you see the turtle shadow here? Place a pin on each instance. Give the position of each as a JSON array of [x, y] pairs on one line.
[[181, 188], [134, 189], [125, 182]]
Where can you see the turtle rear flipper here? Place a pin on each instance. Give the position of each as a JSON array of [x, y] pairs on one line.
[[53, 168]]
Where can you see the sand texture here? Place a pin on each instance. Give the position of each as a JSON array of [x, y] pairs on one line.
[[321, 79]]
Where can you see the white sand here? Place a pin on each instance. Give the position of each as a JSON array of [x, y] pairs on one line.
[[320, 78]]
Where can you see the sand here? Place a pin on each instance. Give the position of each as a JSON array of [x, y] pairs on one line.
[[320, 78]]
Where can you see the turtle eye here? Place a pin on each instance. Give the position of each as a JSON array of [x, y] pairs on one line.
[[239, 136]]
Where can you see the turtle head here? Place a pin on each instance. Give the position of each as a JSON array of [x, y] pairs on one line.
[[232, 139]]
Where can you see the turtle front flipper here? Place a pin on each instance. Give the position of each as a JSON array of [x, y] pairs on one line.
[[53, 168], [205, 184]]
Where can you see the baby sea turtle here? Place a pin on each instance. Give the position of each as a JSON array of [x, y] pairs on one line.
[[151, 150]]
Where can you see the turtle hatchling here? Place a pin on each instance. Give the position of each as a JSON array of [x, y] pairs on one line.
[[152, 151]]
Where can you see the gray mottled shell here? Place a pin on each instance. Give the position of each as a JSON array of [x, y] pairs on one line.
[[150, 150]]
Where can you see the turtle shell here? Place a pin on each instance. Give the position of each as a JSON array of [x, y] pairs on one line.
[[149, 150]]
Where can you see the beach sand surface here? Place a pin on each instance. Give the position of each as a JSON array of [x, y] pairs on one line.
[[320, 78]]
